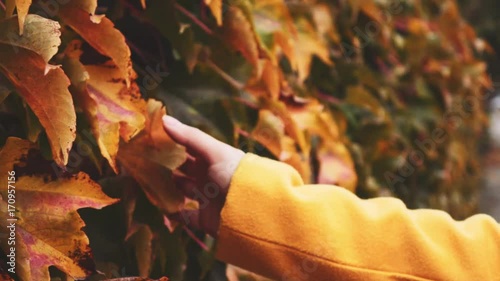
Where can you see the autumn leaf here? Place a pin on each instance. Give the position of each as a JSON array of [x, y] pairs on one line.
[[101, 34], [216, 9], [150, 158], [141, 238], [40, 35], [113, 110], [360, 96], [22, 11], [268, 83], [49, 229], [336, 166], [307, 45], [47, 95], [238, 32], [270, 132], [272, 19]]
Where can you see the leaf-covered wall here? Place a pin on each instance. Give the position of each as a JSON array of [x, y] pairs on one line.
[[383, 98]]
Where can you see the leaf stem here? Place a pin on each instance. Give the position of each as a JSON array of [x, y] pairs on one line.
[[237, 85], [193, 236], [2, 5], [193, 18]]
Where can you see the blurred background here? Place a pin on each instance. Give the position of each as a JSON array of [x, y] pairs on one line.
[[381, 97], [483, 17]]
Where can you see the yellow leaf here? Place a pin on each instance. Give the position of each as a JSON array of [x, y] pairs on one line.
[[23, 7], [370, 8], [48, 229], [309, 44], [41, 35], [359, 96], [111, 108], [268, 83], [270, 132], [216, 9], [150, 158], [100, 33], [46, 94], [336, 166], [141, 239], [239, 33]]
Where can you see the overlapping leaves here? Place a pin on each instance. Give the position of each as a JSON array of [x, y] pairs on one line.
[[342, 91]]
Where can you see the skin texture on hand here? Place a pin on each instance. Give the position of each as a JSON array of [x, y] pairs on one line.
[[206, 174]]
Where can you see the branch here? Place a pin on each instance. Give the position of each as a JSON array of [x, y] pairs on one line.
[[193, 18], [2, 5], [237, 85]]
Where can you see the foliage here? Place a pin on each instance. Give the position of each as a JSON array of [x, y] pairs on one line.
[[383, 98]]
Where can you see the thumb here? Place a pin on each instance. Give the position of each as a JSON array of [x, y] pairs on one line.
[[196, 142]]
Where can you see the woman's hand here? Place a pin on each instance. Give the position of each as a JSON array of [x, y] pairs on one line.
[[207, 173]]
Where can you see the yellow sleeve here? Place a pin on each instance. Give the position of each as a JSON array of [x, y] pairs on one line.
[[276, 226]]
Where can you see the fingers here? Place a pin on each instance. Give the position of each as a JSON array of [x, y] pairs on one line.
[[196, 141]]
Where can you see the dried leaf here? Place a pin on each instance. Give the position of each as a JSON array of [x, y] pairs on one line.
[[309, 44], [141, 240], [216, 9], [48, 226], [359, 96], [336, 166], [22, 11], [40, 35], [239, 33], [101, 34], [270, 132], [47, 95], [111, 108], [150, 157]]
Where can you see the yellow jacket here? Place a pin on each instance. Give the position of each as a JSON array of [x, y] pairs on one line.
[[274, 225]]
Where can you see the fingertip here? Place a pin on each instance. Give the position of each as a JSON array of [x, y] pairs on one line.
[[170, 122], [172, 127]]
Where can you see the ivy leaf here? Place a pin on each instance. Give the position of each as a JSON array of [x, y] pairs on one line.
[[49, 229], [41, 35], [239, 33], [163, 15], [23, 7], [270, 132], [216, 9], [141, 239], [101, 34], [336, 166], [113, 110], [359, 96], [150, 158], [309, 44], [46, 92]]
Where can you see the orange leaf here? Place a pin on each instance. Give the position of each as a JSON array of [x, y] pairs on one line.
[[23, 7], [141, 239], [270, 132], [100, 33], [216, 9], [111, 108], [41, 35], [150, 157], [336, 166], [309, 44], [46, 94], [239, 33], [48, 226]]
